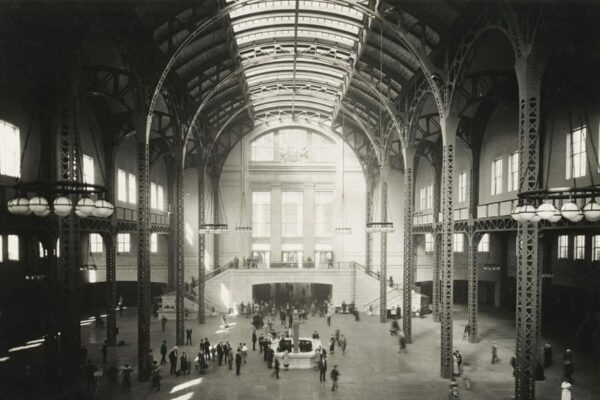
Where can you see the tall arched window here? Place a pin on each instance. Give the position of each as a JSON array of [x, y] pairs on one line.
[[10, 150]]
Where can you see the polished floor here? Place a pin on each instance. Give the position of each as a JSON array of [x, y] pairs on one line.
[[371, 368]]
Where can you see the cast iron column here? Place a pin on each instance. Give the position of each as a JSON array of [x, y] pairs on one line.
[[179, 248], [368, 235], [144, 305], [529, 70], [383, 255], [472, 282], [437, 242], [111, 287], [449, 124], [215, 210], [409, 259], [201, 242]]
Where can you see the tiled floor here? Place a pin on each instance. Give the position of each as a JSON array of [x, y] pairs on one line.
[[371, 369]]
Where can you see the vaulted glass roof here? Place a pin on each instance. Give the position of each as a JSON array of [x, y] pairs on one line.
[[299, 55]]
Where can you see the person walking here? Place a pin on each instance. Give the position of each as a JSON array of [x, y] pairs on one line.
[[343, 344], [163, 321], [494, 353], [254, 338], [184, 367], [286, 360], [220, 352], [332, 345], [329, 318], [402, 342], [322, 369], [206, 349], [467, 332], [104, 351], [230, 358], [163, 352], [335, 374], [238, 362], [276, 369]]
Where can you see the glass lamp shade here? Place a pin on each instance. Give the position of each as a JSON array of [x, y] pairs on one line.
[[536, 218], [516, 214], [85, 207], [39, 206], [19, 206], [62, 206], [555, 217], [547, 211], [591, 211], [103, 209], [527, 212], [570, 211], [577, 218]]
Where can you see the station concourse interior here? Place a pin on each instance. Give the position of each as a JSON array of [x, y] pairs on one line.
[[419, 176]]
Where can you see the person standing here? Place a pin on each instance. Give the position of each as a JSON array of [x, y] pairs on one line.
[[402, 342], [276, 371], [322, 369], [238, 362], [547, 355], [183, 367], [188, 338], [163, 352], [565, 390], [206, 349], [104, 352], [343, 344], [329, 318], [163, 321], [230, 358], [173, 360], [467, 332], [244, 352], [254, 340], [332, 345], [335, 374], [127, 371], [220, 353], [494, 352]]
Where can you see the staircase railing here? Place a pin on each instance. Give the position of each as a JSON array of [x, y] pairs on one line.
[[220, 269]]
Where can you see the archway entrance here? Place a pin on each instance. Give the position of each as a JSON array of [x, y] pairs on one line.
[[294, 293]]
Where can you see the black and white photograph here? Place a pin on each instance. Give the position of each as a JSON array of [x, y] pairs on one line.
[[224, 199]]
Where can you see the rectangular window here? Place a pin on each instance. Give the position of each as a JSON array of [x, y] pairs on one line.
[[462, 187], [13, 247], [497, 176], [160, 199], [132, 189], [513, 172], [96, 244], [576, 154], [323, 213], [423, 198], [430, 197], [595, 248], [40, 250], [426, 197], [428, 242], [88, 169], [580, 247], [154, 243], [291, 213], [262, 148], [261, 214], [1, 249], [458, 243], [563, 246], [484, 243], [10, 150], [153, 195], [121, 185], [123, 243]]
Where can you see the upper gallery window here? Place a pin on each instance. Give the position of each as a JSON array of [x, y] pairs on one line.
[[10, 150], [13, 247], [293, 145], [497, 176], [513, 172], [96, 244], [428, 242], [462, 187], [121, 185], [596, 248], [261, 214], [484, 243], [563, 246], [576, 154], [458, 243], [323, 213], [88, 169], [132, 189], [291, 213], [580, 247]]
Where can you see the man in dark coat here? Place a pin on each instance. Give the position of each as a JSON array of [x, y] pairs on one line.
[[238, 362], [173, 361], [207, 348], [254, 340], [163, 352], [322, 369], [220, 353]]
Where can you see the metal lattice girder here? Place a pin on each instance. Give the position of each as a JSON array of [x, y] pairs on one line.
[[472, 286], [435, 232], [143, 261], [449, 125], [409, 258], [201, 241], [108, 82], [215, 209], [383, 256]]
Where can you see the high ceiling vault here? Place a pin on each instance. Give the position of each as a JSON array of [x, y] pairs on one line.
[[318, 59]]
